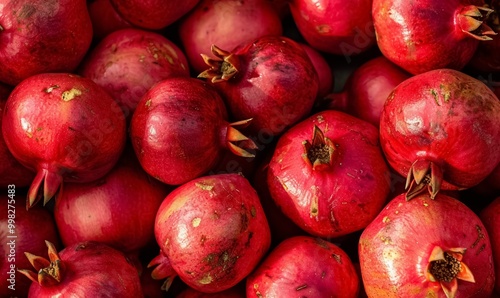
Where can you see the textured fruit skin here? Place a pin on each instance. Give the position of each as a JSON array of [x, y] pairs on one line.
[[491, 219], [336, 201], [276, 85], [423, 35], [152, 14], [41, 36], [227, 24], [213, 231], [304, 266], [394, 249], [93, 269], [11, 171], [335, 27], [446, 117], [65, 124], [128, 62], [176, 130]]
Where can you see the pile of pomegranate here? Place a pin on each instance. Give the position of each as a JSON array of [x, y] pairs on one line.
[[258, 148]]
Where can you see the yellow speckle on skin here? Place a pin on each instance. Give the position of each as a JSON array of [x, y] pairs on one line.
[[425, 204], [386, 219], [71, 94], [203, 186], [196, 222], [207, 279]]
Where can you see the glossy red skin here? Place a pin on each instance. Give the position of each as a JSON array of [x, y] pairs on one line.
[[491, 220], [394, 249], [369, 86], [42, 36], [227, 24], [32, 228], [178, 129], [105, 19], [323, 69], [423, 41], [276, 85], [152, 14], [128, 62], [80, 139], [461, 135], [349, 194], [118, 210], [93, 269], [11, 171], [333, 26], [304, 266], [214, 228]]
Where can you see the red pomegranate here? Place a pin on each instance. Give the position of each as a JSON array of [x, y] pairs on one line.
[[328, 174], [38, 36], [64, 127], [437, 248], [441, 129], [491, 219]]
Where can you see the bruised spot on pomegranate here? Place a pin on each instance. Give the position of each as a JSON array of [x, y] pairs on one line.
[[71, 94], [207, 279]]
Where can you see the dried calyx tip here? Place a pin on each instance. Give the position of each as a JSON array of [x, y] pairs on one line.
[[319, 152], [222, 68]]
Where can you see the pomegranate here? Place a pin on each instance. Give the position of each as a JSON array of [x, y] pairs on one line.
[[105, 19], [367, 88], [336, 27], [87, 269], [21, 231], [424, 35], [226, 23], [441, 129], [179, 130], [486, 56], [127, 62], [437, 248], [152, 14], [118, 210], [323, 69], [271, 80], [491, 219], [328, 174], [212, 232], [64, 127], [38, 36], [11, 171], [304, 266]]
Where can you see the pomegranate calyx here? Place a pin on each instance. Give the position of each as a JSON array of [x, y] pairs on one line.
[[162, 270], [237, 142], [319, 152], [52, 184], [446, 267], [422, 175], [49, 273], [471, 20], [222, 68]]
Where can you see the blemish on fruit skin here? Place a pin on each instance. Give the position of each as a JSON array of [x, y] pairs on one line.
[[386, 219], [196, 222], [386, 240], [207, 279], [51, 88], [203, 186], [302, 287], [70, 94]]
